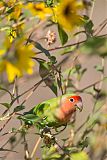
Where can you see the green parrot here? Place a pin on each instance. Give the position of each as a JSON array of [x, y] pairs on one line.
[[53, 112]]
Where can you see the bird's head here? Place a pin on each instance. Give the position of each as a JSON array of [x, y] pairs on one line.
[[69, 104], [76, 101]]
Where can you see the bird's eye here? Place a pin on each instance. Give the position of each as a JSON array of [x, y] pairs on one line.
[[71, 99]]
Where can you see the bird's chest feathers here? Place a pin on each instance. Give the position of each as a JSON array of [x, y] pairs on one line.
[[65, 111]]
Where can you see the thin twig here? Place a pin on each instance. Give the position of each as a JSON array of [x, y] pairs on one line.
[[26, 149], [10, 117], [92, 9], [29, 95], [13, 147], [15, 89], [103, 26], [69, 45], [81, 90], [11, 136], [101, 81], [60, 79], [79, 128], [14, 144], [65, 152], [102, 73], [100, 25], [35, 147]]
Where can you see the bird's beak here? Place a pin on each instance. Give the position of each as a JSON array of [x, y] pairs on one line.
[[80, 106]]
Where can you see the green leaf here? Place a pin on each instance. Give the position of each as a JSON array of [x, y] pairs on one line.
[[88, 26], [67, 50], [42, 49], [53, 59], [46, 52], [46, 73], [63, 35], [59, 83], [95, 42], [6, 90], [80, 156], [100, 103], [99, 68], [95, 46], [93, 120], [49, 3], [50, 153], [83, 143], [7, 105], [81, 73], [12, 139], [78, 67], [14, 130], [69, 71], [29, 118], [10, 10], [19, 108], [54, 87]]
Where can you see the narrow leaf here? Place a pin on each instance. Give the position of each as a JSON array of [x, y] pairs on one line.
[[19, 108], [42, 49], [63, 35], [7, 105], [45, 70]]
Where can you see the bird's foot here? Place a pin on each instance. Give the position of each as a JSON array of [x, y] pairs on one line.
[[58, 132], [45, 131]]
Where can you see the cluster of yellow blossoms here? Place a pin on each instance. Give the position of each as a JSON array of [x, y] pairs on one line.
[[15, 57], [66, 13]]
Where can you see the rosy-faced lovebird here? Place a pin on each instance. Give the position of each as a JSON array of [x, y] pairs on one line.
[[53, 112]]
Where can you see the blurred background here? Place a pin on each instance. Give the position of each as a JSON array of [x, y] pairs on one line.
[[43, 93]]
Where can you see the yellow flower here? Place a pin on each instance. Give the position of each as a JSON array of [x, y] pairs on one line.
[[15, 59], [39, 9], [1, 7], [67, 14], [10, 3], [15, 32], [16, 12], [2, 60], [12, 71], [24, 62], [15, 6], [12, 34]]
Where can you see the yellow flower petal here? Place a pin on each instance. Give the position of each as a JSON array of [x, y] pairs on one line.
[[2, 51], [12, 71], [68, 15], [15, 14], [10, 3], [39, 9]]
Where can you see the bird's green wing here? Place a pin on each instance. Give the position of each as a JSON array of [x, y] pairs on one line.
[[41, 114], [46, 111]]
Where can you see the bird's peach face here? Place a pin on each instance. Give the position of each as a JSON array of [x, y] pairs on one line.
[[67, 107], [76, 101]]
